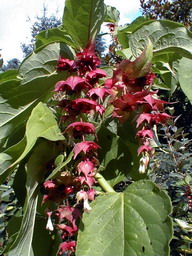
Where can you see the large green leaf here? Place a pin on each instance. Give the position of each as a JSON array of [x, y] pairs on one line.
[[124, 32], [185, 77], [43, 63], [166, 65], [51, 36], [36, 81], [166, 36], [82, 19], [113, 15], [134, 223], [36, 169], [8, 75], [41, 124], [118, 154]]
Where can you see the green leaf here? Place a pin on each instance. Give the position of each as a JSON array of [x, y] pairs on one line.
[[44, 243], [43, 63], [60, 166], [118, 154], [36, 169], [19, 183], [124, 32], [166, 65], [185, 77], [133, 223], [141, 66], [51, 36], [82, 19], [113, 15], [21, 245], [165, 35], [37, 79], [41, 124], [8, 75], [8, 157]]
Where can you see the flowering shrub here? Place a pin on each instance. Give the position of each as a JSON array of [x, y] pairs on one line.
[[81, 129]]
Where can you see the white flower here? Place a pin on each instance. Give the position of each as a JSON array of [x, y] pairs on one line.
[[87, 208], [143, 163], [82, 195], [49, 225]]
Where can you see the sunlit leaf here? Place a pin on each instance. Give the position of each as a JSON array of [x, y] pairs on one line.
[[82, 19], [113, 15], [165, 35], [51, 36], [41, 124], [185, 77], [37, 80], [134, 223]]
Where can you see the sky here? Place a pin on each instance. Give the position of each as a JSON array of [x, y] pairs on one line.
[[15, 29]]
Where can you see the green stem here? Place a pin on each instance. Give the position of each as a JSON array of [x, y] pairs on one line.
[[103, 183]]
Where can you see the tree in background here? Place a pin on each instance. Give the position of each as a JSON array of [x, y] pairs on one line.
[[11, 64], [43, 22], [176, 10]]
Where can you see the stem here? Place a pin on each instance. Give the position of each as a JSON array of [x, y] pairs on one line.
[[103, 183]]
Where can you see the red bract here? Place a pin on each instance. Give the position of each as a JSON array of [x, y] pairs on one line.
[[85, 147], [67, 246], [94, 75], [86, 167], [89, 180], [56, 191], [144, 148], [155, 104], [126, 104], [71, 230], [78, 129], [145, 133], [158, 118], [86, 59], [91, 194], [96, 93], [49, 184], [72, 84], [137, 84], [65, 65], [149, 78], [69, 213], [83, 106]]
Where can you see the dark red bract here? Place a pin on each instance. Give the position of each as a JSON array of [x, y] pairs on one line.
[[85, 147], [72, 84], [86, 59], [77, 129], [66, 65], [75, 107]]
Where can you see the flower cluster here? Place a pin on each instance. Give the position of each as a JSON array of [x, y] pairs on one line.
[[81, 98], [135, 94]]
